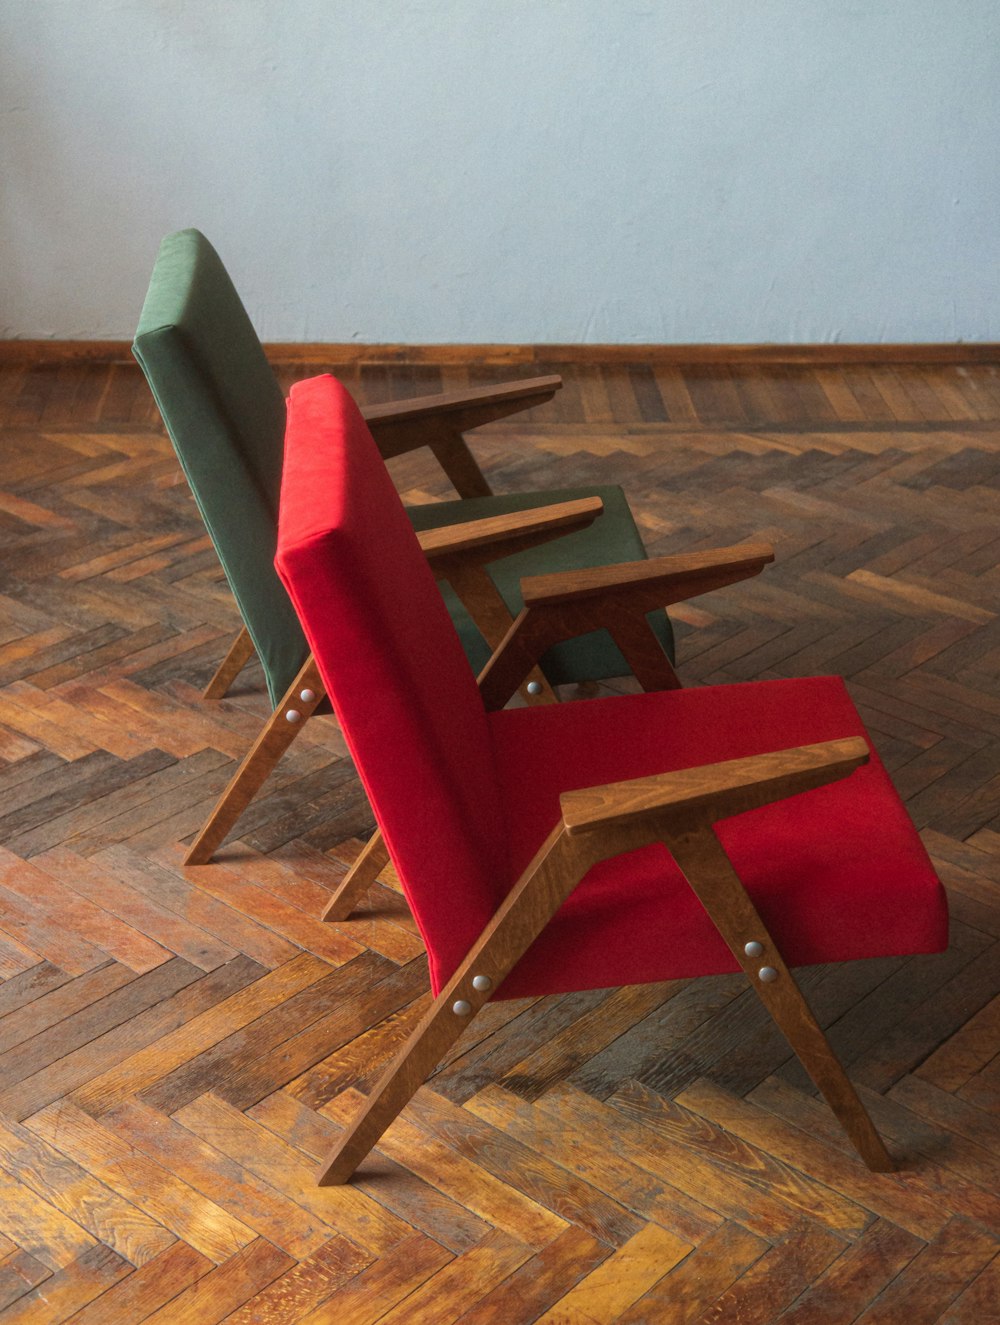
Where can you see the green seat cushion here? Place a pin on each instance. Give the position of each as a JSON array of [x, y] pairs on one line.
[[612, 538]]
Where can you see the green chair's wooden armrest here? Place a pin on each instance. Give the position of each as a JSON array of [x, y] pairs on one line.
[[491, 402], [440, 421], [659, 580], [502, 535], [712, 791]]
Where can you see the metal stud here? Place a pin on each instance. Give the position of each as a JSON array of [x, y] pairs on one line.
[[293, 715], [481, 982], [766, 974], [307, 696], [534, 687], [753, 948], [461, 1008]]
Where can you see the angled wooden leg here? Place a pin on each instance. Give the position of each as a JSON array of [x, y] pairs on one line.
[[452, 453], [372, 860], [240, 653], [706, 867], [276, 736], [535, 898]]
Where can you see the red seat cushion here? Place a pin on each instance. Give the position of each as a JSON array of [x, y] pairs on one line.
[[837, 873]]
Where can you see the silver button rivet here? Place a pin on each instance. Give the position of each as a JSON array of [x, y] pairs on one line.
[[461, 1008], [534, 688], [307, 696], [766, 974], [293, 715], [753, 948], [481, 982]]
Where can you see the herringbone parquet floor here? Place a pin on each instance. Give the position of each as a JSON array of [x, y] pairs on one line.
[[176, 1047]]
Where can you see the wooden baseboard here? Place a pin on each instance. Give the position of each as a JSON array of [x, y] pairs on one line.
[[113, 351]]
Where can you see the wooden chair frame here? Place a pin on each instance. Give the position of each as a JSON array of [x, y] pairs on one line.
[[676, 809]]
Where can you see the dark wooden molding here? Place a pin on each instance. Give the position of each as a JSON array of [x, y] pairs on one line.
[[321, 354]]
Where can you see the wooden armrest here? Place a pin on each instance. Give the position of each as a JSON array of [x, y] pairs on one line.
[[713, 791], [440, 421], [507, 398], [660, 580], [523, 528], [613, 598]]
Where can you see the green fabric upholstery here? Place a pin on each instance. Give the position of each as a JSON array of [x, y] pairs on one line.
[[612, 538], [225, 414]]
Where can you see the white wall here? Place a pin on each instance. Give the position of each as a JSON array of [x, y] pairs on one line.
[[509, 170]]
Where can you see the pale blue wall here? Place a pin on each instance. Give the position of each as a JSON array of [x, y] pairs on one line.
[[510, 170]]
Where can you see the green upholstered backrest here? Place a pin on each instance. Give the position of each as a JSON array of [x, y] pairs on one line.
[[225, 414]]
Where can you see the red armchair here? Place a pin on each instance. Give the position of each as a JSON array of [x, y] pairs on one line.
[[611, 842]]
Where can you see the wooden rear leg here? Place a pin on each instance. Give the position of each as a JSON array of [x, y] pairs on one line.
[[371, 861], [709, 872], [276, 736], [240, 653]]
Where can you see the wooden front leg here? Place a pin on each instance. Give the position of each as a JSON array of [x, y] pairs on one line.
[[535, 898], [372, 860], [707, 869], [240, 653], [276, 736]]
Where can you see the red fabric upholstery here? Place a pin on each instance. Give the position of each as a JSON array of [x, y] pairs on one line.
[[401, 687], [836, 873], [465, 799]]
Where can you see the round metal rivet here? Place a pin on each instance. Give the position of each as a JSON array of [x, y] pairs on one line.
[[307, 696], [766, 974], [481, 982], [461, 1008], [293, 715], [753, 948], [534, 688]]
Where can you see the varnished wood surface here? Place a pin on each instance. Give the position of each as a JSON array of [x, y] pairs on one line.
[[715, 791], [179, 1048], [326, 354]]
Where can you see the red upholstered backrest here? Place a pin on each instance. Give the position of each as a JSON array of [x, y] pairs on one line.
[[402, 689]]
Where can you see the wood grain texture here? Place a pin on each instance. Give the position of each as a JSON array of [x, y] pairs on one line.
[[188, 1043]]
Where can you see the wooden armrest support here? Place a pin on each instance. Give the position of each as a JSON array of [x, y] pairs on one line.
[[713, 791], [659, 580], [440, 421], [497, 533], [614, 598], [494, 402]]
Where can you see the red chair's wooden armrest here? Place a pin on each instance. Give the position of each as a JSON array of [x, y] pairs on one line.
[[712, 791], [660, 580], [614, 598], [497, 532]]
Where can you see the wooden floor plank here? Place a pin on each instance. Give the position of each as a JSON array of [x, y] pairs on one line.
[[178, 1047]]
